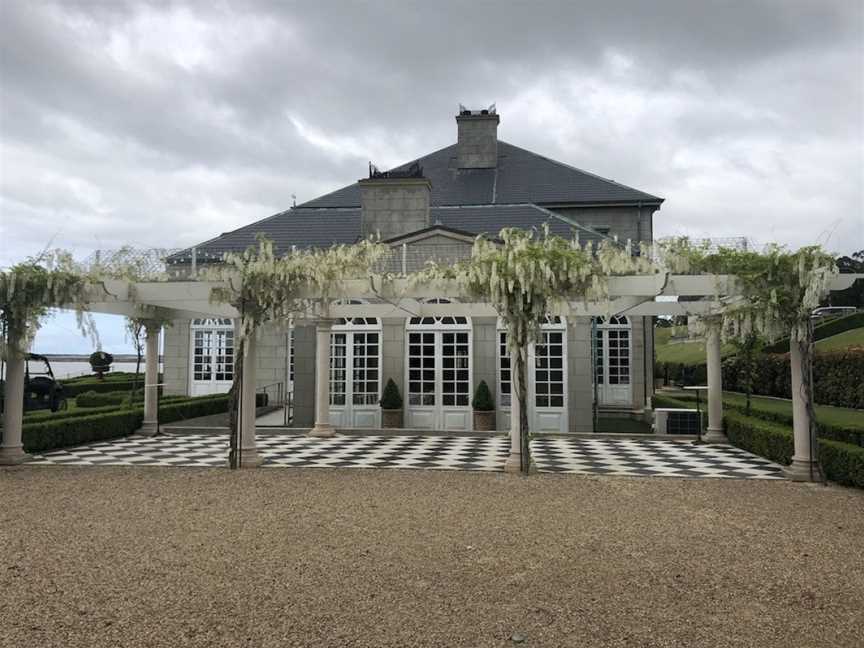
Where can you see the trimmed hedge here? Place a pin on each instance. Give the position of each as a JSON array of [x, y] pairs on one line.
[[836, 377], [764, 438], [73, 389], [40, 437], [681, 373], [822, 331], [100, 399], [71, 429], [850, 435], [668, 401], [843, 463]]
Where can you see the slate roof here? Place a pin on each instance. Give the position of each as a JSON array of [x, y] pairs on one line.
[[471, 200], [521, 177], [308, 228]]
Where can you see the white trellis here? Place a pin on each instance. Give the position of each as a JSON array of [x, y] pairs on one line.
[[379, 297]]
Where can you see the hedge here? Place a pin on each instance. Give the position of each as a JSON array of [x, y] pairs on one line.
[[60, 431], [836, 377], [843, 463], [668, 401], [100, 399], [40, 437], [850, 435], [764, 438], [681, 373], [822, 331], [73, 389]]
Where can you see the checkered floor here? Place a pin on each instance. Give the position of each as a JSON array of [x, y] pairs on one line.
[[602, 456]]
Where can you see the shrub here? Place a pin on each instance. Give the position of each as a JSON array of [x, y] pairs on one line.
[[483, 401], [835, 377], [764, 438], [822, 331], [40, 437], [843, 463], [74, 388], [667, 401], [391, 398], [193, 408], [100, 362]]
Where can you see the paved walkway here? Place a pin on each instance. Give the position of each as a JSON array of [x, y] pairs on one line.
[[601, 456]]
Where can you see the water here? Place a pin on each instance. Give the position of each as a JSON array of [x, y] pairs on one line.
[[70, 369]]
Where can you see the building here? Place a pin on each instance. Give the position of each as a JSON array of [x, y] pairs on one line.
[[431, 209]]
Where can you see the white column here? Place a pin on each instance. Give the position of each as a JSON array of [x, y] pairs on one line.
[[150, 426], [803, 467], [12, 449], [249, 457], [715, 433], [322, 381]]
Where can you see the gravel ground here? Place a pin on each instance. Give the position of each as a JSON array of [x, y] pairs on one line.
[[207, 557]]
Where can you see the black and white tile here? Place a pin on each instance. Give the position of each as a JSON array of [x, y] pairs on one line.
[[601, 456]]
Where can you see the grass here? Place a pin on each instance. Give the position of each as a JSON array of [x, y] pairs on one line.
[[842, 341], [690, 352], [839, 416]]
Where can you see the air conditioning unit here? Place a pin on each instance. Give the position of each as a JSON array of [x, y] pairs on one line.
[[670, 420]]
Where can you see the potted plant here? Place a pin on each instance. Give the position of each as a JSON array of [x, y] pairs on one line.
[[484, 408], [391, 406], [100, 362]]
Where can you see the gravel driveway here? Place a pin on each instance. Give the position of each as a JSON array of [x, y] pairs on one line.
[[207, 557]]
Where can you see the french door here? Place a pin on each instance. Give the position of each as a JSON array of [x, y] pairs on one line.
[[355, 385], [547, 383], [612, 359], [212, 356], [439, 378]]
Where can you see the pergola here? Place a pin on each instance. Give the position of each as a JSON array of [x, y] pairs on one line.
[[385, 296]]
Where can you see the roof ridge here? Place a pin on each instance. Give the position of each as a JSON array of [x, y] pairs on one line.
[[578, 170]]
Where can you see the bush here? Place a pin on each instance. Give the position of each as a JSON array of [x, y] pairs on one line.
[[100, 362], [764, 438], [483, 401], [41, 437], [822, 331], [669, 402], [193, 408], [679, 373], [391, 399], [835, 377], [843, 463], [71, 389]]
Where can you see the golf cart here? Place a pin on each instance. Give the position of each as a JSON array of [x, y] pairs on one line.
[[41, 390]]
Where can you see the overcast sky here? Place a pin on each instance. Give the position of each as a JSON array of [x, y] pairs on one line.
[[164, 124]]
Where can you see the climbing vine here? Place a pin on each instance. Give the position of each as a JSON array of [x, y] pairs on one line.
[[523, 276]]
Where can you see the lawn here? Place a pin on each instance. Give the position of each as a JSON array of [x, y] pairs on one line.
[[841, 341], [326, 557]]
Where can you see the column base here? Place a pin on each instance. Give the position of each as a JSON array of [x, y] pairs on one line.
[[12, 456], [715, 436], [148, 429], [322, 431], [800, 471], [513, 465], [250, 458]]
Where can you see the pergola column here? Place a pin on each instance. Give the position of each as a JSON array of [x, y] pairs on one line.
[[249, 457], [322, 380], [150, 426], [803, 467], [12, 448], [714, 433]]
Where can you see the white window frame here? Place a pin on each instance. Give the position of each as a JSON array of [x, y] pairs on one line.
[[439, 416], [215, 326], [350, 414], [620, 394]]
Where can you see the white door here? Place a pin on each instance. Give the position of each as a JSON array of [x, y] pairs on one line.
[[438, 373], [212, 356], [612, 355], [547, 386], [355, 385]]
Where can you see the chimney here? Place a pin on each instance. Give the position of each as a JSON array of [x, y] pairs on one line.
[[394, 202], [477, 144]]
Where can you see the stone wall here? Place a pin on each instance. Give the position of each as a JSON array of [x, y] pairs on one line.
[[632, 223], [175, 359], [580, 388], [304, 376]]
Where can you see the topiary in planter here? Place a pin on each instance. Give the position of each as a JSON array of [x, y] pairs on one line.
[[100, 362], [391, 406], [484, 408]]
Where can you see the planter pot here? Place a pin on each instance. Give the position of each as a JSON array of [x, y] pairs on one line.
[[484, 421], [391, 418]]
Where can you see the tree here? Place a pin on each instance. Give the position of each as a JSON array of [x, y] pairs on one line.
[[854, 295]]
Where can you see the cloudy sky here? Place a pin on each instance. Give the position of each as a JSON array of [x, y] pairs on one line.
[[164, 124]]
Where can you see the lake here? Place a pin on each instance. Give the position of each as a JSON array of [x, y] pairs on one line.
[[70, 369]]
